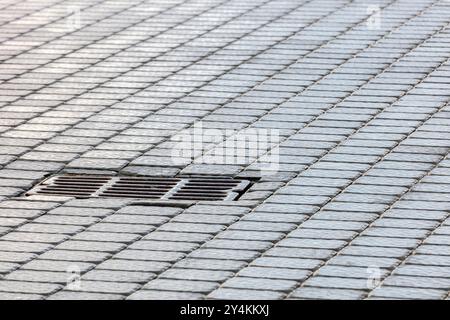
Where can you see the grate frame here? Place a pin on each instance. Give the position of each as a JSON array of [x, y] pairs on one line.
[[195, 188]]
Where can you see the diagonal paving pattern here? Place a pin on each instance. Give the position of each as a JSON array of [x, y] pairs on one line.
[[358, 91]]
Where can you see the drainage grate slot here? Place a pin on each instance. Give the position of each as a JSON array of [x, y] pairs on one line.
[[210, 189], [183, 188]]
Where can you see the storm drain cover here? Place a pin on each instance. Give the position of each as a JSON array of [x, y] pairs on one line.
[[183, 188]]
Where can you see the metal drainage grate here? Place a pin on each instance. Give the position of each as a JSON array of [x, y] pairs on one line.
[[183, 188]]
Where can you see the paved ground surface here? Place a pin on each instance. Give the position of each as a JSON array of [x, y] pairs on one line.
[[359, 208]]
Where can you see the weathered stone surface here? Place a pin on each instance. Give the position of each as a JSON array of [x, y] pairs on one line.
[[352, 185]]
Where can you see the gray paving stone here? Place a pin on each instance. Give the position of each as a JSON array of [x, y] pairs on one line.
[[27, 247], [181, 236], [149, 255], [407, 293], [19, 257], [91, 246], [87, 212], [238, 244], [6, 267], [293, 263], [240, 294], [262, 226], [130, 228], [181, 285], [193, 274], [224, 254], [415, 214], [313, 243], [192, 227], [406, 243], [250, 235], [220, 209], [99, 203], [133, 265], [343, 272], [164, 245], [375, 251], [396, 232], [421, 270], [119, 276], [336, 282], [322, 234], [380, 262], [19, 296], [67, 220], [164, 295], [20, 213], [211, 264], [106, 236], [11, 222], [106, 287], [205, 218], [28, 287], [241, 282], [279, 251], [275, 273], [362, 172], [433, 249], [36, 205], [406, 223], [70, 255], [326, 294], [74, 295], [431, 260], [275, 217], [50, 228], [36, 237], [417, 282], [39, 276], [150, 210]]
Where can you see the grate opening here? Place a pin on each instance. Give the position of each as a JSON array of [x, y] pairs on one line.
[[181, 188]]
